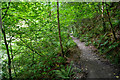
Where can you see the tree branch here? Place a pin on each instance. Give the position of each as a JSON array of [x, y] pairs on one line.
[[2, 8], [6, 10], [30, 47]]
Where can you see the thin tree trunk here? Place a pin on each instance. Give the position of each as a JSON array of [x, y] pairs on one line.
[[103, 20], [5, 41], [73, 29], [49, 8], [59, 28], [111, 23], [12, 58], [9, 60]]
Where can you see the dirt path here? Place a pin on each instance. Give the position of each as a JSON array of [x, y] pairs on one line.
[[91, 63]]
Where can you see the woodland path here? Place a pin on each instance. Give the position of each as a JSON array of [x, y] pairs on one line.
[[95, 66]]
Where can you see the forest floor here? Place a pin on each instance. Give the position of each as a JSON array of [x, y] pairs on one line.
[[91, 64]]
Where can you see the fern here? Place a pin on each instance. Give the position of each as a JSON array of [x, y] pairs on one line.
[[64, 73]]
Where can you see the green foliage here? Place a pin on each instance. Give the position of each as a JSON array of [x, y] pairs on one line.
[[32, 30], [65, 73], [97, 26], [87, 43]]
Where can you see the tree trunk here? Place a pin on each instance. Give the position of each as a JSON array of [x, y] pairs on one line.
[[111, 23], [59, 28], [12, 58], [103, 20], [49, 9], [9, 60]]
